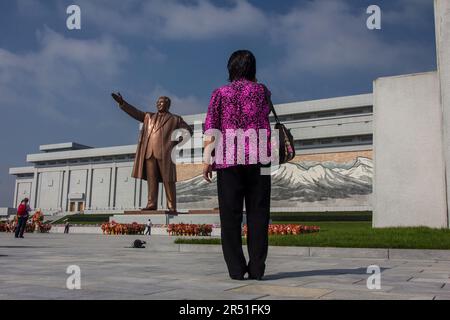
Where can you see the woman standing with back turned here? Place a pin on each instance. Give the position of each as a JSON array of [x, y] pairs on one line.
[[242, 105]]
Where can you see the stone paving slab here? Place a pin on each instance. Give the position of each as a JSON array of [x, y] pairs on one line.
[[207, 248], [358, 295], [291, 251], [360, 286], [349, 253], [432, 280], [284, 291], [442, 297], [35, 268], [419, 254], [203, 294]]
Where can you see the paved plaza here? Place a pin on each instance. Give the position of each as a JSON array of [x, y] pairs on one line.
[[35, 268]]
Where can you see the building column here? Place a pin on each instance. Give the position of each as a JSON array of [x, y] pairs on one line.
[[88, 195], [135, 193], [34, 189], [162, 199], [61, 190], [65, 189], [112, 187], [138, 193], [16, 187], [442, 25]]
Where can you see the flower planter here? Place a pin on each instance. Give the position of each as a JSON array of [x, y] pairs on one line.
[[287, 229]]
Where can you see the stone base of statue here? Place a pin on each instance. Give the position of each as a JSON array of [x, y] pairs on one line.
[[195, 216], [204, 211], [152, 212]]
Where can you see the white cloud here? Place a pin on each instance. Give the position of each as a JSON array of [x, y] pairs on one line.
[[61, 70], [158, 19], [327, 36], [180, 104], [30, 8], [318, 36], [203, 20], [154, 55], [321, 37]]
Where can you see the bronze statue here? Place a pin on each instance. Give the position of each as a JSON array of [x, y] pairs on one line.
[[153, 154]]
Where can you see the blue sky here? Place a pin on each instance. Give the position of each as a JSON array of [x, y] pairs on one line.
[[55, 84]]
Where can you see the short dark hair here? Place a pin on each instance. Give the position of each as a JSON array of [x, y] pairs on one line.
[[241, 64], [25, 200]]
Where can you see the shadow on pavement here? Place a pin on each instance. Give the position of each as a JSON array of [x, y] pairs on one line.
[[323, 272]]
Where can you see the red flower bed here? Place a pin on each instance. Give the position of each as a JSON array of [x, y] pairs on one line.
[[30, 227], [45, 227], [287, 229], [6, 227], [182, 229], [36, 220], [37, 217], [122, 228]]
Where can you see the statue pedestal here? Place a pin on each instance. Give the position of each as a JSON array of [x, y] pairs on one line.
[[203, 211], [150, 212], [207, 216]]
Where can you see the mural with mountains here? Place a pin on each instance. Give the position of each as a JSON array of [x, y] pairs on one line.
[[300, 184]]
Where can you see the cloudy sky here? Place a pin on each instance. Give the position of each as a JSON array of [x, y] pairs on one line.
[[55, 84]]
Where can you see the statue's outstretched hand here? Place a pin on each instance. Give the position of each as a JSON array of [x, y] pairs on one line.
[[118, 97], [128, 108]]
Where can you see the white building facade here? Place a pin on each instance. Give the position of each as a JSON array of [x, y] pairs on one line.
[[70, 177]]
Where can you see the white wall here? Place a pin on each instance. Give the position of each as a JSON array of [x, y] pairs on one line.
[[100, 186], [77, 181], [23, 190], [101, 183], [409, 182], [442, 22], [49, 193], [125, 188]]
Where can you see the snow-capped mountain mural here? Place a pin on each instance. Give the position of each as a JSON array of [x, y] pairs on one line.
[[297, 184]]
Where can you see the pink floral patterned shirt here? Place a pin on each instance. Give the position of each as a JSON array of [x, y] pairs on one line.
[[241, 104]]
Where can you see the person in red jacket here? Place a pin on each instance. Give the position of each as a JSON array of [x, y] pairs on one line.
[[23, 212]]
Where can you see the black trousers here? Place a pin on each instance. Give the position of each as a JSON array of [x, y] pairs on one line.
[[20, 228], [234, 186]]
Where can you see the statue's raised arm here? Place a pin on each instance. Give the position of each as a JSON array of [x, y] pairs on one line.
[[128, 108]]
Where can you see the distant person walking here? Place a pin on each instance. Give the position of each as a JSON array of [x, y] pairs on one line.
[[149, 228], [23, 212], [67, 227], [241, 106]]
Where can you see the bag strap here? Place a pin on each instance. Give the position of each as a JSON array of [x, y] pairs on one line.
[[272, 108]]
